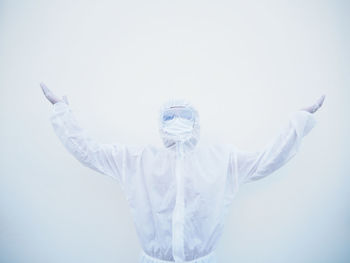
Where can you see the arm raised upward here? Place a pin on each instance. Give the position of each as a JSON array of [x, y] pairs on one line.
[[252, 166], [103, 158]]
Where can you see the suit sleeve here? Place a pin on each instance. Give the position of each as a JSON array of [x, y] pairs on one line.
[[103, 158], [252, 166]]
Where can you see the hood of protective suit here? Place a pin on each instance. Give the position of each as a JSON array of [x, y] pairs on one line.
[[179, 132]]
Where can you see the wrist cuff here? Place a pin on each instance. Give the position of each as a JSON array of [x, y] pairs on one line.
[[60, 106]]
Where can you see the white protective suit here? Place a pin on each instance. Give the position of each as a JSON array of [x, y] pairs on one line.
[[179, 194]]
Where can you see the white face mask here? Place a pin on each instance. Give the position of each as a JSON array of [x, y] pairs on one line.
[[178, 128]]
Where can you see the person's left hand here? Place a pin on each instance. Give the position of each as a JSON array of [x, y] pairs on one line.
[[51, 96], [313, 108]]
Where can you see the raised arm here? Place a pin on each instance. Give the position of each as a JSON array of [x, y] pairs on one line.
[[103, 158], [252, 166]]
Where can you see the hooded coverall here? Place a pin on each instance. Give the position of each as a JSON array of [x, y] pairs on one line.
[[179, 194]]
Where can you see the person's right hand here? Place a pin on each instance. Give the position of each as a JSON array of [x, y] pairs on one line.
[[314, 107], [50, 96]]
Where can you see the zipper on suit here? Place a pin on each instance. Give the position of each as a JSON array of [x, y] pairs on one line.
[[179, 209]]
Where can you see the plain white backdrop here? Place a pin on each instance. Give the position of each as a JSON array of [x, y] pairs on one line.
[[245, 65]]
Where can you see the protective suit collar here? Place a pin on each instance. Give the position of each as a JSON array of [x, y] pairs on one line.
[[179, 133]]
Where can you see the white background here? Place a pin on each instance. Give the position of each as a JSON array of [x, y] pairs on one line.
[[244, 65]]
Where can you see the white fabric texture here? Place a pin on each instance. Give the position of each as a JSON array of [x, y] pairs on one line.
[[179, 194], [210, 258]]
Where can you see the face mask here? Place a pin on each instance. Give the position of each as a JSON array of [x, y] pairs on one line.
[[178, 127]]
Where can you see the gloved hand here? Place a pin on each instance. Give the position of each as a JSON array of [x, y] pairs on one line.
[[313, 108], [52, 97]]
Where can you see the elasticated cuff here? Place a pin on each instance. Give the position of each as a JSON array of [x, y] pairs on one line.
[[60, 106], [303, 121]]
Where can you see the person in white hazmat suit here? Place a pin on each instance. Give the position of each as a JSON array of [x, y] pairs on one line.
[[179, 194]]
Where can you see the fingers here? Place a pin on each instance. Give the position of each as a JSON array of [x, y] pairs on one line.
[[318, 104], [48, 93], [321, 100], [44, 88], [313, 108]]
